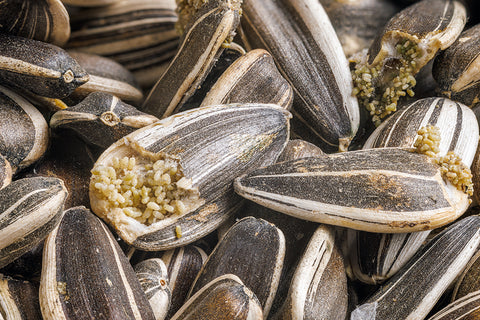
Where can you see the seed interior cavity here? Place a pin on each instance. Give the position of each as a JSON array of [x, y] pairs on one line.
[[148, 191]]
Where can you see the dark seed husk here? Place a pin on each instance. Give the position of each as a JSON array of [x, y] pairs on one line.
[[465, 308], [138, 34], [42, 20], [31, 208], [457, 69], [223, 298], [101, 119], [90, 3], [213, 24], [252, 78], [415, 289], [212, 146], [106, 75], [469, 281], [308, 53], [152, 274], [253, 249], [82, 263], [297, 149], [23, 130], [19, 299], [319, 286], [38, 67], [376, 190]]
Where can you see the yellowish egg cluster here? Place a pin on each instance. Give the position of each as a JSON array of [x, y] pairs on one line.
[[428, 141], [378, 88], [456, 172], [146, 191]]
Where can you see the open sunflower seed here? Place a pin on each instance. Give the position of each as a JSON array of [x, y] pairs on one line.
[[170, 183], [82, 263], [152, 274], [308, 53], [24, 132], [252, 249], [319, 286], [252, 78], [31, 208], [212, 25], [101, 119], [43, 20], [415, 289], [38, 67], [457, 69], [223, 298], [387, 190], [385, 73]]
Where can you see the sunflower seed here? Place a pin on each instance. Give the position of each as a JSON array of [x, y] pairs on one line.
[[252, 249], [31, 208], [24, 131], [196, 154], [38, 67], [43, 20], [19, 299], [464, 308], [214, 23], [308, 53], [457, 69], [224, 298], [413, 291], [152, 274], [101, 119], [378, 190], [297, 149], [253, 78], [82, 262]]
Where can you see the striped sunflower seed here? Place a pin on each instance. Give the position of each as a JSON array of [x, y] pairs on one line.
[[24, 132], [31, 208], [387, 190], [252, 249], [42, 20], [223, 298], [468, 282], [212, 26], [415, 289], [252, 78], [465, 308], [170, 183], [308, 54], [38, 67], [19, 299], [457, 69], [82, 263], [101, 119], [108, 76], [152, 274], [319, 286], [90, 3], [138, 34], [408, 42]]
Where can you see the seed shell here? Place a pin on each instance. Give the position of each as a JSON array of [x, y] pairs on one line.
[[319, 286], [82, 263], [207, 148], [224, 298], [252, 78], [465, 308], [31, 208], [101, 119], [152, 274], [38, 67], [214, 23], [415, 289], [457, 68], [23, 130], [43, 20], [309, 55], [387, 190], [19, 299], [252, 249]]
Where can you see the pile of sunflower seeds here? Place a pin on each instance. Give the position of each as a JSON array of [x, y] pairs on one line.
[[239, 159]]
